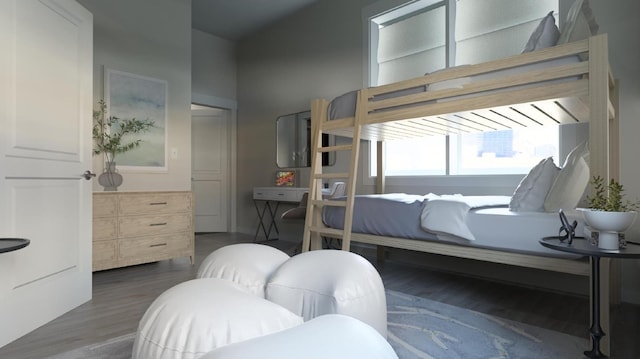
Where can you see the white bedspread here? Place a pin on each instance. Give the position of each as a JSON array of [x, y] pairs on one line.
[[447, 214]]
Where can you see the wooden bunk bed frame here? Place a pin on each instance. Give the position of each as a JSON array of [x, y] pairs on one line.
[[584, 91]]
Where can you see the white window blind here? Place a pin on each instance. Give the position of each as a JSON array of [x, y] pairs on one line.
[[413, 46], [492, 29]]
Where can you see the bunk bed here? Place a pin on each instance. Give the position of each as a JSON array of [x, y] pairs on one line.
[[544, 87], [578, 92]]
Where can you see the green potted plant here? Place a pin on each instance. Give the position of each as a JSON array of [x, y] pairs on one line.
[[609, 198], [609, 213], [111, 136]]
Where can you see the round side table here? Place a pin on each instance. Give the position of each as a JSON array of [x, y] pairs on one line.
[[582, 246], [12, 244]]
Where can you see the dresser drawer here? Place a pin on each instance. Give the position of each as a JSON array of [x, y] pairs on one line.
[[285, 194], [104, 228], [104, 252], [133, 226], [104, 205], [153, 203], [155, 247]]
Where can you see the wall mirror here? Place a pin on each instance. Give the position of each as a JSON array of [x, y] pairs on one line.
[[293, 141]]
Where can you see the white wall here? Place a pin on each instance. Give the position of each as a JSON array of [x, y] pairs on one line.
[[151, 38], [318, 53]]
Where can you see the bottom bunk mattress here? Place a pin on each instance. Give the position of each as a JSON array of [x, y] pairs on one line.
[[475, 221]]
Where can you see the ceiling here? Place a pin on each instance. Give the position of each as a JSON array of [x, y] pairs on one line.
[[235, 19]]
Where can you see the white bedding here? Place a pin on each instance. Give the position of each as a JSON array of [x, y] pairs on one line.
[[455, 217], [447, 214], [399, 215], [518, 231]]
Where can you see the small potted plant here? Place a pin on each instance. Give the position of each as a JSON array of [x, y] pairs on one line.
[[608, 212], [110, 135]]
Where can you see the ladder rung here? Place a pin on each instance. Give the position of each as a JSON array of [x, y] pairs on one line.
[[335, 148], [328, 231], [328, 203], [330, 175]]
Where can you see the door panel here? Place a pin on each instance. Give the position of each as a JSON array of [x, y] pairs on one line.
[[44, 29], [210, 169], [39, 199], [45, 145]]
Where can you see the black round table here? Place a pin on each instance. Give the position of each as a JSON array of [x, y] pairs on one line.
[[582, 246], [12, 244]]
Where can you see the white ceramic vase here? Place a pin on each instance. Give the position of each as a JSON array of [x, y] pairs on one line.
[[609, 225]]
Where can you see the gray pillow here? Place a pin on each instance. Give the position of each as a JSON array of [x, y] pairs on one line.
[[545, 35], [343, 105]]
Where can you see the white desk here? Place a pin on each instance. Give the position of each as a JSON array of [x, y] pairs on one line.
[[273, 195]]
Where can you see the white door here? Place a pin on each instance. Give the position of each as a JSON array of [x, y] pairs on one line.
[[46, 75], [210, 168]]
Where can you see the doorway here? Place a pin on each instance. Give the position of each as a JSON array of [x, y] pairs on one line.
[[210, 168]]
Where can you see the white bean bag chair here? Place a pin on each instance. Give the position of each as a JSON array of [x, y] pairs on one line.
[[197, 316], [246, 264], [322, 282], [331, 336]]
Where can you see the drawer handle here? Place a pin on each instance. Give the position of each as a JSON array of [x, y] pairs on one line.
[[158, 245], [158, 224], [157, 203]]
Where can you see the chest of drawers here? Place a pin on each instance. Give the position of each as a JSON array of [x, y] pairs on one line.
[[140, 227]]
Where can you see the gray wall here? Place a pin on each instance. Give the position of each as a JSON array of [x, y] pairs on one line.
[[318, 53], [127, 37], [213, 66], [618, 19], [315, 53]]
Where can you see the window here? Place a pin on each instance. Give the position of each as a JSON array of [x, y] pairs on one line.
[[426, 35]]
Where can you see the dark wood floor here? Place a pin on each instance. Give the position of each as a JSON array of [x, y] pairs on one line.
[[121, 296]]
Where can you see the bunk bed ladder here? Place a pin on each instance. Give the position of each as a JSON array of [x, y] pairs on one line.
[[314, 229]]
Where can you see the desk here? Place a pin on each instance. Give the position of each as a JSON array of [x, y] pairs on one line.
[[582, 246], [267, 200], [12, 244]]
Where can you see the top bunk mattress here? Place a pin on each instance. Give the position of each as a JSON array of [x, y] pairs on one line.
[[548, 112], [345, 105]]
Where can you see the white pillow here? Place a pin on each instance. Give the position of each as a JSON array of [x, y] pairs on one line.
[[545, 35], [580, 23], [568, 188], [530, 194]]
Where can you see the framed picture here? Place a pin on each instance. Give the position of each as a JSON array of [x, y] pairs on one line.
[[133, 96], [285, 178]]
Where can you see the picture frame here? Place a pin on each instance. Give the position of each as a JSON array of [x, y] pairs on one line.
[[130, 95], [285, 178]]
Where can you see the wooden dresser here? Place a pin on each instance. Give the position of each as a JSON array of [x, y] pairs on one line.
[[140, 227]]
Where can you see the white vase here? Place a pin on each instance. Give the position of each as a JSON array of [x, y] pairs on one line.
[[609, 225], [110, 179]]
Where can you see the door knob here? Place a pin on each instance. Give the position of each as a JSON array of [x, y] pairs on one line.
[[88, 175]]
